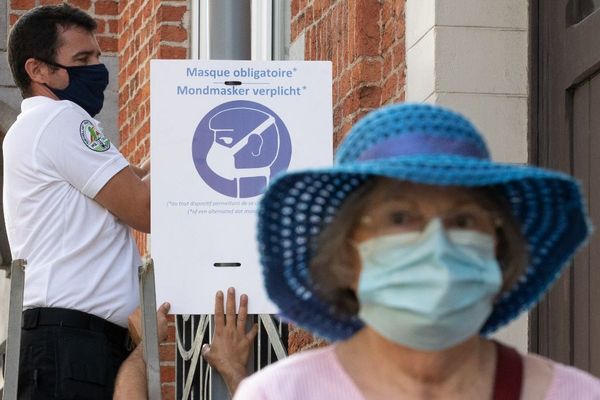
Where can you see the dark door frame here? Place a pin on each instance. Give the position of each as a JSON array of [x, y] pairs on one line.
[[533, 133], [561, 56]]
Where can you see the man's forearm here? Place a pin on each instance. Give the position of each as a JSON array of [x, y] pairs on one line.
[[131, 381]]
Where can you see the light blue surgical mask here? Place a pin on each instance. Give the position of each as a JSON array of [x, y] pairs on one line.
[[428, 290]]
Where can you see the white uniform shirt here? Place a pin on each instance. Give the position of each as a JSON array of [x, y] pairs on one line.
[[79, 255]]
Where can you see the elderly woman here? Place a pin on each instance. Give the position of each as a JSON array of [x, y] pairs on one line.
[[406, 254]]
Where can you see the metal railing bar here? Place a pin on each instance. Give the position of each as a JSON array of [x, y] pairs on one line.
[[196, 353], [274, 338]]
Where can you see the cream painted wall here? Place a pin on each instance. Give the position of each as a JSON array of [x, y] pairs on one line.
[[471, 55]]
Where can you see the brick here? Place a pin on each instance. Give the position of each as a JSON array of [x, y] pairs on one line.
[[389, 35], [106, 7], [168, 13], [398, 54], [84, 5], [145, 91], [293, 31], [146, 11], [367, 71], [100, 25], [388, 66], [350, 20], [300, 22], [113, 25], [166, 352], [337, 116], [298, 339], [145, 129], [345, 83], [390, 87], [50, 2], [295, 8], [144, 53], [320, 7], [137, 23], [350, 103], [167, 373], [22, 4], [344, 130], [168, 391], [399, 9], [309, 13], [388, 11], [108, 44], [13, 19], [369, 96], [367, 31], [172, 53], [172, 33]]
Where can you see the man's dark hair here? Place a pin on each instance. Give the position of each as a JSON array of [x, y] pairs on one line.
[[36, 35]]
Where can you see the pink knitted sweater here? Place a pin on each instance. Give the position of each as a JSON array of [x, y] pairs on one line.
[[318, 375]]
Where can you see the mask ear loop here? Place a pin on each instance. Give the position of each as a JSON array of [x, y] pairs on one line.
[[53, 64]]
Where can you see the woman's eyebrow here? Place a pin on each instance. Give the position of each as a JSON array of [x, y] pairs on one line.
[[391, 201], [471, 203]]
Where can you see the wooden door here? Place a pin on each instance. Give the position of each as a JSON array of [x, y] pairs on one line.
[[565, 135]]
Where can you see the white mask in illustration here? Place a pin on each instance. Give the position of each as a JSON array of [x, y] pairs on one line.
[[221, 155]]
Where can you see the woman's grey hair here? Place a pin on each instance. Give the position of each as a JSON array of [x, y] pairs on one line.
[[335, 265]]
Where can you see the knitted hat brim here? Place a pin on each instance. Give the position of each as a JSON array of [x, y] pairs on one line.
[[298, 205]]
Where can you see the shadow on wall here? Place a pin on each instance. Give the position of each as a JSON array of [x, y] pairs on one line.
[[8, 115]]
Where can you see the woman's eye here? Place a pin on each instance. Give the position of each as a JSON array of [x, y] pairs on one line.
[[401, 218], [464, 221]]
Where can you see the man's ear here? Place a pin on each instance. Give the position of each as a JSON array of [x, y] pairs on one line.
[[37, 70]]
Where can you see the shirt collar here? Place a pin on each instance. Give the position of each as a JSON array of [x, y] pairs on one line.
[[32, 102], [35, 101]]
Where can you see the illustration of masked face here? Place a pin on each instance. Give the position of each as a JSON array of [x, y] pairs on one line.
[[245, 144]]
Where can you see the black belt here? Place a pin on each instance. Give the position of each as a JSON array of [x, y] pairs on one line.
[[75, 319]]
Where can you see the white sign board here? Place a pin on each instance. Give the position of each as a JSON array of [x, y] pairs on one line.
[[220, 132]]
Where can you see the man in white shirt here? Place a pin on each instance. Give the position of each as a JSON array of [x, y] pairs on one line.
[[70, 199]]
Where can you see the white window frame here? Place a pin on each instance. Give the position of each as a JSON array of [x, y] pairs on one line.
[[270, 29]]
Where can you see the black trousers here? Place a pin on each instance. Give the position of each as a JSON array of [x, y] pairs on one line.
[[68, 354]]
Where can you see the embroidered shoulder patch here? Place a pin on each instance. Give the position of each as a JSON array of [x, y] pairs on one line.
[[92, 137]]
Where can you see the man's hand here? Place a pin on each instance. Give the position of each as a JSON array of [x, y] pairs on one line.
[[228, 353], [131, 382], [135, 323]]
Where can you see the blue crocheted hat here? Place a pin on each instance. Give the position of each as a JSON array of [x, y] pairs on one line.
[[424, 144]]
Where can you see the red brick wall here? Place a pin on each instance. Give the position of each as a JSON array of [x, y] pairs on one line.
[[365, 42], [106, 13], [364, 39], [149, 29]]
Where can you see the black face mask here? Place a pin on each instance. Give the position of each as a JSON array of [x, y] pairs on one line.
[[86, 86]]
